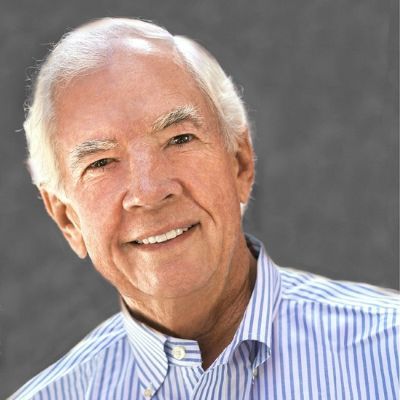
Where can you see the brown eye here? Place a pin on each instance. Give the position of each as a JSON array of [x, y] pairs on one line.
[[181, 139], [100, 163]]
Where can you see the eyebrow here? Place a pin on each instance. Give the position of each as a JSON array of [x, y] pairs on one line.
[[178, 114], [90, 147]]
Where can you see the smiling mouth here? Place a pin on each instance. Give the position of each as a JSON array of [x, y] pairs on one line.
[[164, 237]]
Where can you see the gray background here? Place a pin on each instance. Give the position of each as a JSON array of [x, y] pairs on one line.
[[319, 78]]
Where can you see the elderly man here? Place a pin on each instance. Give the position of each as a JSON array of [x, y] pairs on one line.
[[140, 147]]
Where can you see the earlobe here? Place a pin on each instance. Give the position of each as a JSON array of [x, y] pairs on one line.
[[66, 219], [245, 167]]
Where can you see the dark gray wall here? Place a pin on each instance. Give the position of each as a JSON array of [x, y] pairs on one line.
[[319, 78]]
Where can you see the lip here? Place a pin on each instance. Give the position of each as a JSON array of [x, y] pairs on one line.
[[168, 243]]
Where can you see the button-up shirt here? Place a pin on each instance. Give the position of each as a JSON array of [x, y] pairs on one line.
[[301, 337]]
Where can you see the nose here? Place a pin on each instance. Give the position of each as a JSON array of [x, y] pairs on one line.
[[151, 182]]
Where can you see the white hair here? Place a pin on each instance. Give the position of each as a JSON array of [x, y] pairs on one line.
[[89, 47]]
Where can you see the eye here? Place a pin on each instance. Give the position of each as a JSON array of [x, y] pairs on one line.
[[100, 163], [180, 140]]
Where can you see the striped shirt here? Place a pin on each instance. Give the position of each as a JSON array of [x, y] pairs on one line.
[[301, 337]]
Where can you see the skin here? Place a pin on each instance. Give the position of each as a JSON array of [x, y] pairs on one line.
[[197, 285]]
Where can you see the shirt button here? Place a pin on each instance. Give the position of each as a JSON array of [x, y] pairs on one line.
[[178, 352], [148, 393], [255, 373]]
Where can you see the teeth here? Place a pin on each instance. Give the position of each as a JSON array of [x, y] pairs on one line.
[[164, 237], [161, 238], [171, 234]]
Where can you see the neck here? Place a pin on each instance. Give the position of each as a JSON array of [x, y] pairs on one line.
[[211, 323]]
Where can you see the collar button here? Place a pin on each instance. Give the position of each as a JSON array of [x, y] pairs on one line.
[[148, 393], [178, 352]]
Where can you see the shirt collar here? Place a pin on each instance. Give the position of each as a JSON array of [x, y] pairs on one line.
[[260, 313], [154, 351], [148, 349]]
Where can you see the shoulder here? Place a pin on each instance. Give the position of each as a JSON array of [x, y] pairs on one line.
[[77, 363], [353, 328], [304, 287], [351, 315]]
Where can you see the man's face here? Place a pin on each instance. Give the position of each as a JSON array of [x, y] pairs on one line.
[[143, 160]]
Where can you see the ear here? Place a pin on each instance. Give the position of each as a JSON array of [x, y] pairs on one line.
[[67, 220], [244, 158]]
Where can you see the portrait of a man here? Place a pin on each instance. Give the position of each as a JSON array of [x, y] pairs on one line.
[[141, 148]]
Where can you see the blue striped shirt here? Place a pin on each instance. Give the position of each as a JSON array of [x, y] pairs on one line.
[[301, 337]]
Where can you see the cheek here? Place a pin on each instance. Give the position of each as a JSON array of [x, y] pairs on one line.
[[99, 212], [212, 178], [211, 184]]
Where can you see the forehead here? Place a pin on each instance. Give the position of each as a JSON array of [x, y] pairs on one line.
[[133, 88]]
